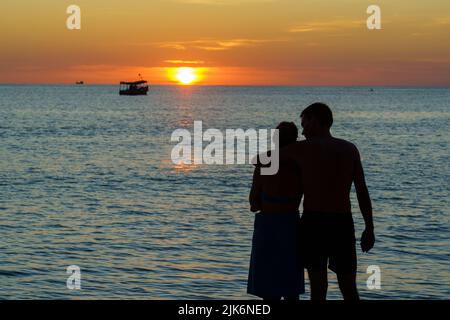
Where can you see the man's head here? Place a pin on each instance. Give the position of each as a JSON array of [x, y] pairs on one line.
[[317, 120], [288, 133]]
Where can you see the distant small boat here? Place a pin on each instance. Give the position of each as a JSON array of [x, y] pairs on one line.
[[79, 82], [133, 88]]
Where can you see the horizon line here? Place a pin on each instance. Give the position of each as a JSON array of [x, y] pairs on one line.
[[237, 85]]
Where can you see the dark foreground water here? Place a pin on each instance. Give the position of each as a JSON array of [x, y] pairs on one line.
[[86, 179]]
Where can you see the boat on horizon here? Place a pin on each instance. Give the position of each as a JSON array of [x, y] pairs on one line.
[[134, 88], [79, 82]]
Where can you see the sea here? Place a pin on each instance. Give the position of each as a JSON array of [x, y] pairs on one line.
[[87, 183]]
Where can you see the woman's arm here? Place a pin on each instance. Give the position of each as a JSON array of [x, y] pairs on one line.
[[255, 192]]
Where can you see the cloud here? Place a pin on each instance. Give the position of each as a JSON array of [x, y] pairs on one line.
[[185, 61], [172, 45], [222, 2], [301, 29], [230, 44], [213, 45], [327, 26], [442, 20]]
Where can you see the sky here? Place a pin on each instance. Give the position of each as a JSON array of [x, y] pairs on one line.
[[227, 42]]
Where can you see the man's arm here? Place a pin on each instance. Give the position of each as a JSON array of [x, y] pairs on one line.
[[255, 192], [365, 204]]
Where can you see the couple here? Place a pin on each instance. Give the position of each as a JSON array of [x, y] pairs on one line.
[[321, 169]]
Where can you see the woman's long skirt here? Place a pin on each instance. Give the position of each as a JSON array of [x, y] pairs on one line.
[[275, 264]]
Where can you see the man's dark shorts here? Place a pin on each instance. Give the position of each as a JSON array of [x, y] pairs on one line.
[[328, 238]]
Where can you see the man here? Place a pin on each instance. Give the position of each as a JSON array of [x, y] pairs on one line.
[[328, 167]]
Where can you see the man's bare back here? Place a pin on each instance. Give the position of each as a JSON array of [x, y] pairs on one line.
[[328, 168]]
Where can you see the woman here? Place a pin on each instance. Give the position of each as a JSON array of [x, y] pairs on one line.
[[275, 266]]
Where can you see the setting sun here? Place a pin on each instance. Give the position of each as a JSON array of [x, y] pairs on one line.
[[186, 75]]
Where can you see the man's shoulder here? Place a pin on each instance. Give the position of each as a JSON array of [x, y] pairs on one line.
[[347, 147], [346, 143]]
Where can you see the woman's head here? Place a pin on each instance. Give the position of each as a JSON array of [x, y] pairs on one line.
[[288, 133]]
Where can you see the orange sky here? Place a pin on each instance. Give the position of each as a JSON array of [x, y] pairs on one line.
[[232, 42]]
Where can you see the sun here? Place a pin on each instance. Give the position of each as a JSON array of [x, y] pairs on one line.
[[186, 75]]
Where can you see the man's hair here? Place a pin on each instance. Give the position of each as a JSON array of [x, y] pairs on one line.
[[321, 112], [288, 133]]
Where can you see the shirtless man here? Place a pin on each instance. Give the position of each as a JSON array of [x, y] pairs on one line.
[[328, 167]]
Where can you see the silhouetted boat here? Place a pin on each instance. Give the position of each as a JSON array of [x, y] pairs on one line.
[[133, 88], [79, 82]]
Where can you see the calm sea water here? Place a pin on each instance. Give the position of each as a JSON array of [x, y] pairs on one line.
[[86, 179]]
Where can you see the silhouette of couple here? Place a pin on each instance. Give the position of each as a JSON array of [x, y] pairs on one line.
[[321, 170]]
